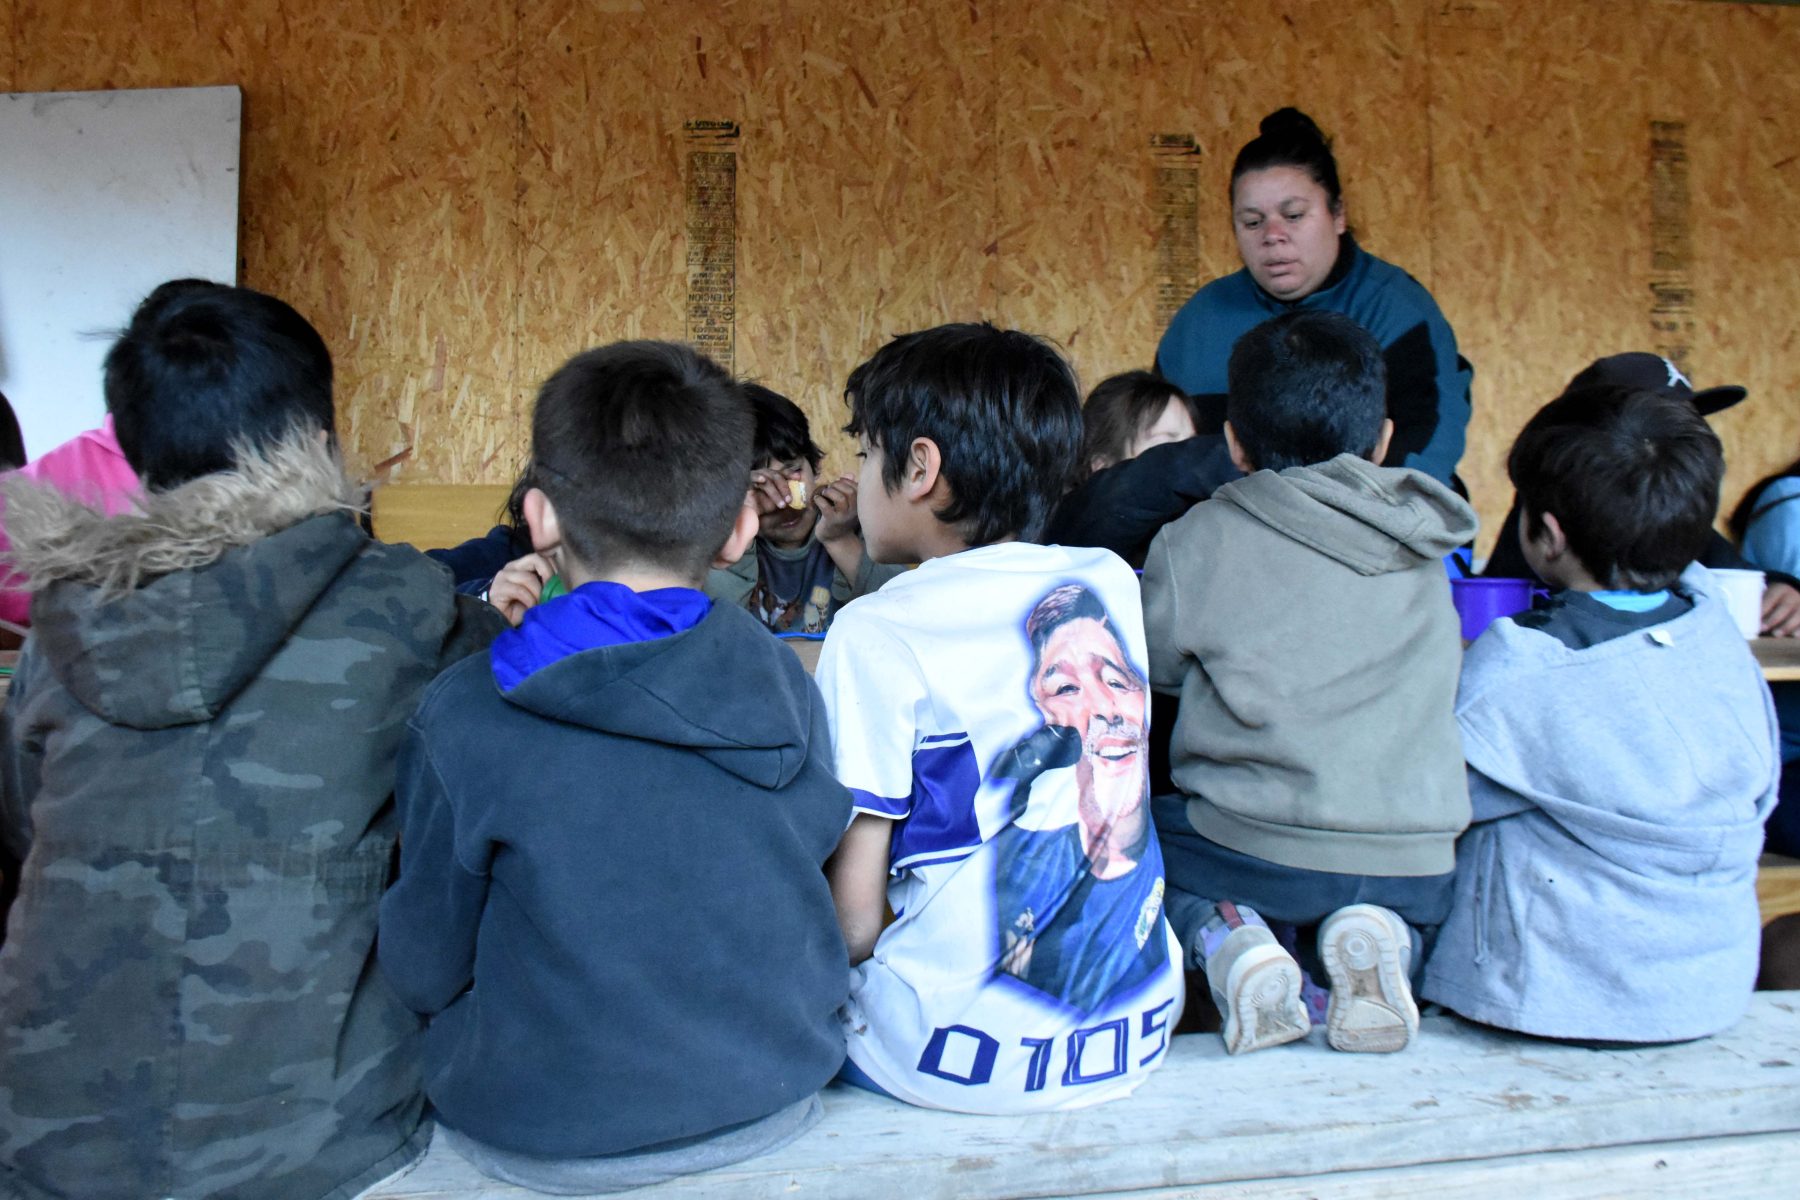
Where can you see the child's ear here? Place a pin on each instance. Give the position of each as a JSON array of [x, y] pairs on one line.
[[737, 542], [1379, 453], [1239, 459], [924, 467], [540, 519], [1552, 541]]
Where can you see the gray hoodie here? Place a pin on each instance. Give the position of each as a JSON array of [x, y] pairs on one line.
[[1304, 619], [1607, 889]]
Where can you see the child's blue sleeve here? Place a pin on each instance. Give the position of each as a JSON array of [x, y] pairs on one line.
[[430, 916], [1772, 541]]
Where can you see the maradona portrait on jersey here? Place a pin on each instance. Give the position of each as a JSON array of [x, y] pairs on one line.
[[1078, 874]]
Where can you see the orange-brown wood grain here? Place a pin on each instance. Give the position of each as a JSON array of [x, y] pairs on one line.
[[461, 197]]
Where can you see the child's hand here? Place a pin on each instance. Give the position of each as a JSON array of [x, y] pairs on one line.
[[1781, 611], [517, 586], [836, 502], [769, 492]]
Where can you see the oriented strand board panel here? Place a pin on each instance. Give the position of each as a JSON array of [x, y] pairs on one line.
[[1539, 205], [868, 191], [1085, 94], [864, 179], [9, 57], [1729, 73], [462, 195], [1542, 206], [378, 179]]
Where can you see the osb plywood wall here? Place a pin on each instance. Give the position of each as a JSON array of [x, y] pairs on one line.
[[460, 195]]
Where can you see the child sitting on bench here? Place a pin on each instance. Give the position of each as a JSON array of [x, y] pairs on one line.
[[990, 718], [1621, 748], [198, 769], [611, 902], [1303, 617]]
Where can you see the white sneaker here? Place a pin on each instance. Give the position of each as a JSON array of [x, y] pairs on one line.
[[1256, 985], [1368, 955]]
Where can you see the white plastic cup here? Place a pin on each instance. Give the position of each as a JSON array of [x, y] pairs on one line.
[[1742, 592]]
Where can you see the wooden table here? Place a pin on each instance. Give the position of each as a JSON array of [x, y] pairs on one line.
[[1778, 657], [808, 649]]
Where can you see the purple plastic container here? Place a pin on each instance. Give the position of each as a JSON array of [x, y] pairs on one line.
[[1481, 602]]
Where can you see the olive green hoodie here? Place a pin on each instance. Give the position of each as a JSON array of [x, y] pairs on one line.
[[1304, 619]]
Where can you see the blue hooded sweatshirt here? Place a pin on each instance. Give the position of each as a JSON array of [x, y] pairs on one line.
[[611, 900]]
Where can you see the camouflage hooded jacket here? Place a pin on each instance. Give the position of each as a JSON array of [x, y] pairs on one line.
[[197, 765]]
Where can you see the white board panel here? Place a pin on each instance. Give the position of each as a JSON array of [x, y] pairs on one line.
[[103, 195]]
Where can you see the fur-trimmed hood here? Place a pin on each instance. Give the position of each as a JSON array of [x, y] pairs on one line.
[[159, 617], [57, 538]]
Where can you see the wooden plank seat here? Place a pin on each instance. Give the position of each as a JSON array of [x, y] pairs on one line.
[[433, 516], [1465, 1111]]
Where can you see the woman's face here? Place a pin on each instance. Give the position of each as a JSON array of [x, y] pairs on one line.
[[1287, 233]]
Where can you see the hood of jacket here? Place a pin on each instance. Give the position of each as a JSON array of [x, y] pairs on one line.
[[1373, 519], [707, 689], [158, 617]]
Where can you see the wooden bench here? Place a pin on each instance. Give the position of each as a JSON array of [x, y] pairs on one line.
[[434, 516], [1465, 1111]]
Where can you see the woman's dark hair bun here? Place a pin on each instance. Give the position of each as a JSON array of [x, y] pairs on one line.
[[1290, 123], [1288, 137]]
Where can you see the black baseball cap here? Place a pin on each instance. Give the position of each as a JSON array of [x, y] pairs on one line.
[[1655, 373]]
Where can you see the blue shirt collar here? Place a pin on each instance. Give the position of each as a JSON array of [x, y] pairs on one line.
[[1637, 602], [592, 616]]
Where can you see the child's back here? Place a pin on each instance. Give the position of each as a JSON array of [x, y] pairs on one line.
[[1621, 750], [1306, 621], [1303, 619], [989, 711], [653, 944], [200, 757], [611, 902]]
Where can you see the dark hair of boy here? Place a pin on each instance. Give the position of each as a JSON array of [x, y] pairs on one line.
[[1288, 137], [1632, 477], [1003, 409], [203, 369], [512, 512], [12, 441], [1119, 409], [1305, 387], [644, 450], [782, 432]]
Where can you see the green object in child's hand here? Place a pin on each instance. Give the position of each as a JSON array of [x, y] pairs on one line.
[[553, 587]]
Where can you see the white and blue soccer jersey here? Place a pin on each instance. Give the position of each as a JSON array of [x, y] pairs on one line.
[[993, 704]]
